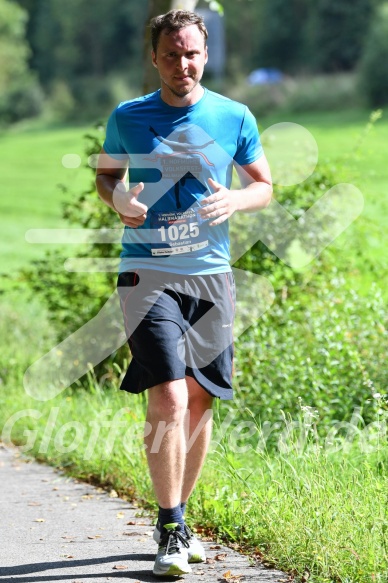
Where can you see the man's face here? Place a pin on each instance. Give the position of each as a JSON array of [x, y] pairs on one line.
[[180, 59]]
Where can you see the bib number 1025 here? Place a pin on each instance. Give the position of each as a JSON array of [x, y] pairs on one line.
[[179, 232]]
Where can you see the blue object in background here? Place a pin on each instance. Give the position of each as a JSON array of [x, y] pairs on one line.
[[265, 76]]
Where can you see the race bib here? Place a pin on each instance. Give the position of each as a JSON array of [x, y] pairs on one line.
[[178, 232]]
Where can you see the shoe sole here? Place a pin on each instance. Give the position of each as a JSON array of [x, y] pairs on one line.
[[172, 570], [192, 558], [196, 559]]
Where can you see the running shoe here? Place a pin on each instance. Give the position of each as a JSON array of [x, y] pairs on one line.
[[172, 557], [196, 552]]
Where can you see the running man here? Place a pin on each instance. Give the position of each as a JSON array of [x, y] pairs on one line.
[[176, 287]]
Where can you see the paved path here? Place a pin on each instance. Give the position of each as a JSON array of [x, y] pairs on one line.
[[54, 528]]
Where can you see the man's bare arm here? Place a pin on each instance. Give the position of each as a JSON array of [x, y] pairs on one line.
[[110, 184], [255, 194]]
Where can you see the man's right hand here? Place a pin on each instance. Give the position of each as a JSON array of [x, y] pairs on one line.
[[131, 212]]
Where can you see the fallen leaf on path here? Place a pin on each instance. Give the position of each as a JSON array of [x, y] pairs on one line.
[[214, 547], [120, 515], [34, 504], [40, 520], [120, 567], [132, 522], [113, 494], [230, 578], [221, 556], [69, 556], [132, 533], [209, 561]]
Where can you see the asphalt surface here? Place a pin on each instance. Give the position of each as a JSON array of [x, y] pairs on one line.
[[55, 528]]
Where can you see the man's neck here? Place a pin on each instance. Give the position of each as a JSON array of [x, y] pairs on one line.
[[185, 101]]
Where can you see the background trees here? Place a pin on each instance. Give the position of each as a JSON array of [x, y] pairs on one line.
[[87, 55], [15, 76], [374, 64]]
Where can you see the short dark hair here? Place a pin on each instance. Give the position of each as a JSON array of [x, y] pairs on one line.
[[175, 20]]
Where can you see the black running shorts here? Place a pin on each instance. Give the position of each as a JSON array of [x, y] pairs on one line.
[[177, 326]]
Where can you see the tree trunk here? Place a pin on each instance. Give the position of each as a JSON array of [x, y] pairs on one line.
[[155, 7], [183, 4]]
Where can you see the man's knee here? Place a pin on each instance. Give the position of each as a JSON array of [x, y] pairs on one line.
[[168, 402], [199, 400]]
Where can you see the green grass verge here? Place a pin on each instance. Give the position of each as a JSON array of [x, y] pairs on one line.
[[295, 509]]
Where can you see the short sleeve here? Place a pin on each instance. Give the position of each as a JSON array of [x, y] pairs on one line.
[[249, 148], [113, 144]]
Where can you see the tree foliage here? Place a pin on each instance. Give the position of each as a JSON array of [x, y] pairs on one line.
[[336, 33], [374, 65], [281, 36], [15, 78], [91, 55]]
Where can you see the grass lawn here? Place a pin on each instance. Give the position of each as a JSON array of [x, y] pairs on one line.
[[31, 170]]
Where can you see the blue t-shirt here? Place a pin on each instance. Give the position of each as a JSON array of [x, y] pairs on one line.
[[174, 150]]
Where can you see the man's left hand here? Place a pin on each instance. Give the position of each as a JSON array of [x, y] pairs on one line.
[[220, 205]]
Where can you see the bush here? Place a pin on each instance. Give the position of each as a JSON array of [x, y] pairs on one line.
[[64, 292], [23, 98], [299, 94], [373, 69], [95, 97], [328, 351], [61, 102]]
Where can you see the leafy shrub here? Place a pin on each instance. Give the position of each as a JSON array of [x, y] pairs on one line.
[[64, 292], [23, 98], [296, 200], [61, 101], [329, 353], [299, 94]]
